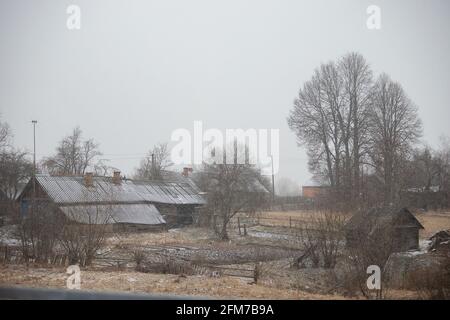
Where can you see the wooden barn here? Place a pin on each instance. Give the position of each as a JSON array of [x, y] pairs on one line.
[[125, 205], [402, 225]]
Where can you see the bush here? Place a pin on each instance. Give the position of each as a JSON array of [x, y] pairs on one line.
[[432, 283]]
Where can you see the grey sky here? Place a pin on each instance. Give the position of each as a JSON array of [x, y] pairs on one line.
[[137, 70]]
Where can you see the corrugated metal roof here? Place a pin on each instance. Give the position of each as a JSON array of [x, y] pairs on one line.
[[117, 213], [72, 190]]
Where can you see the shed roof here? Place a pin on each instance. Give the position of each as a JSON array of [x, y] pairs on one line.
[[375, 218], [117, 213]]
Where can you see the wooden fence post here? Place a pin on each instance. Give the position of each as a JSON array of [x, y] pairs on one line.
[[290, 222], [245, 230], [239, 225], [256, 273]]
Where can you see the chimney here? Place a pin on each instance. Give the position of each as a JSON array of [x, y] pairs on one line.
[[116, 179], [186, 171], [88, 179]]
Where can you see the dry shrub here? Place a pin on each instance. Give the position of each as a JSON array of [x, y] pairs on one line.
[[166, 265], [138, 257], [321, 239], [432, 283]]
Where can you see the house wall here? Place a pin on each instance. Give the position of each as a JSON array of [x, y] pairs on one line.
[[313, 191], [176, 215], [133, 227], [407, 239]]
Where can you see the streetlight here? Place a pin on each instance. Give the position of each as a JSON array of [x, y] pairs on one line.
[[273, 182], [34, 122]]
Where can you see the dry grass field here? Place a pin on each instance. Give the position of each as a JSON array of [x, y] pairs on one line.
[[263, 243], [433, 222], [127, 281]]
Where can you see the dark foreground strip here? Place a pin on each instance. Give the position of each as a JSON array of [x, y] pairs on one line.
[[15, 293], [157, 306]]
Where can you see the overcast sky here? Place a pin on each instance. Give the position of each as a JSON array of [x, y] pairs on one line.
[[137, 70]]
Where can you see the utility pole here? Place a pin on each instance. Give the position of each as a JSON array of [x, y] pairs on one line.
[[153, 167], [34, 162], [34, 151]]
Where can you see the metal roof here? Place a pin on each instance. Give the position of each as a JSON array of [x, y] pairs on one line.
[[117, 213], [72, 190]]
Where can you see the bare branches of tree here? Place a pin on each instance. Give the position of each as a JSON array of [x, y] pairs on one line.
[[156, 161], [84, 232], [5, 135], [73, 155], [15, 168], [231, 188], [348, 123], [321, 238], [394, 127]]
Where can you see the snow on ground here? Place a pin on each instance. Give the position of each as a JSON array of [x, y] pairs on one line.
[[7, 236]]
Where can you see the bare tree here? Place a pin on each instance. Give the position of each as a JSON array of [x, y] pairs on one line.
[[15, 169], [316, 125], [38, 230], [394, 128], [231, 188], [84, 228], [357, 78], [83, 232], [330, 118], [443, 164], [156, 161], [423, 169], [5, 135], [73, 155]]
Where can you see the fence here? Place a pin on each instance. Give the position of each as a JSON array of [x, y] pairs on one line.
[[13, 255], [243, 223]]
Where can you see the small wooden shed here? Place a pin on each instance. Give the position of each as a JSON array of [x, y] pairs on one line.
[[374, 222]]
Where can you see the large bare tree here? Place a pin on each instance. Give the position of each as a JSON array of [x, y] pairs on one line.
[[357, 78], [314, 121], [349, 126], [394, 128], [330, 118]]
